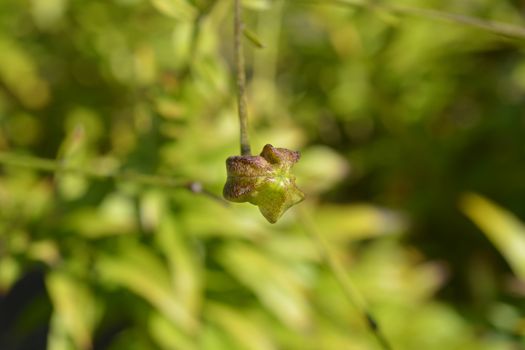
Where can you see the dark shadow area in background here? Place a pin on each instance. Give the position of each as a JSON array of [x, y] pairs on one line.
[[25, 313]]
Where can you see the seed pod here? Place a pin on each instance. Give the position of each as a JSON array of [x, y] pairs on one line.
[[264, 180]]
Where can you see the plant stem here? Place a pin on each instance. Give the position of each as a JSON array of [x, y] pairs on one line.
[[494, 27], [53, 166], [241, 78], [349, 289]]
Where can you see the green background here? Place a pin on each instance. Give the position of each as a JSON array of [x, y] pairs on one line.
[[411, 132]]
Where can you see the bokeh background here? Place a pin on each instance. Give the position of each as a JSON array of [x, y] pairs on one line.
[[413, 160]]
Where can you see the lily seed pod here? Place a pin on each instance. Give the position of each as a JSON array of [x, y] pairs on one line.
[[264, 180]]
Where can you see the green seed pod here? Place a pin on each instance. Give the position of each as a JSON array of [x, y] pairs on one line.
[[265, 181]]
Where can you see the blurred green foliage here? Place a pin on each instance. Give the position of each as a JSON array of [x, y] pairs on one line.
[[396, 118]]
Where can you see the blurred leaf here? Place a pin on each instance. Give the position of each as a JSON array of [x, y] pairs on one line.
[[26, 128], [75, 311], [9, 273], [449, 331], [257, 4], [505, 317], [169, 109], [74, 151], [247, 334], [58, 337], [214, 338], [114, 216], [374, 272], [278, 288], [45, 251], [145, 64], [211, 79], [13, 195], [184, 265], [182, 40], [153, 205], [137, 269], [48, 13], [91, 223], [178, 9], [297, 248], [503, 229], [358, 221], [19, 73], [200, 217], [320, 169], [131, 339], [167, 335]]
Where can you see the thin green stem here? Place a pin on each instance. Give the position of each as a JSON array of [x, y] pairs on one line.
[[491, 26], [351, 292], [494, 27], [241, 78], [53, 166]]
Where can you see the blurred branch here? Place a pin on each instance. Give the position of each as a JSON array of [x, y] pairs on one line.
[[494, 27], [241, 78], [349, 289], [53, 166]]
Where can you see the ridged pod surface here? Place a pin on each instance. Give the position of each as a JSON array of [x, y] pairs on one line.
[[264, 180]]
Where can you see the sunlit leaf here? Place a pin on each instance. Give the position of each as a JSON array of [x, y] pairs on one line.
[[320, 169], [75, 310], [178, 9], [183, 264], [48, 13], [114, 216], [214, 338], [9, 273], [247, 334], [140, 271], [358, 221], [257, 4], [19, 73], [182, 43], [293, 247], [167, 335], [503, 229], [58, 337], [278, 288], [45, 251]]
